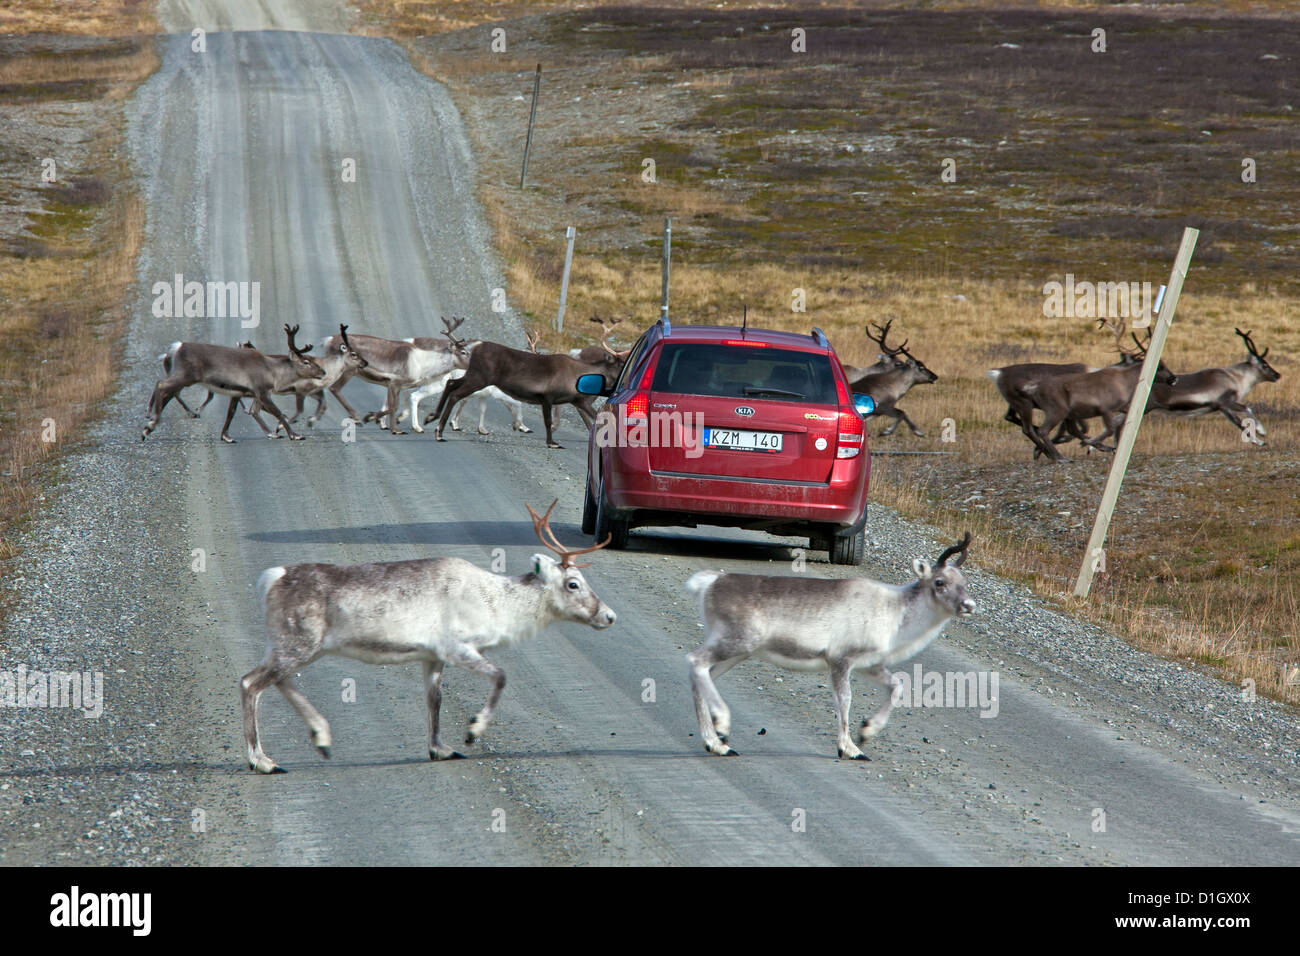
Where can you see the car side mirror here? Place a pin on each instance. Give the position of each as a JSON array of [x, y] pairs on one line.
[[864, 405], [592, 384]]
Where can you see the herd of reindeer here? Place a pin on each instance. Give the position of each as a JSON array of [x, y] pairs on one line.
[[442, 611], [1069, 395]]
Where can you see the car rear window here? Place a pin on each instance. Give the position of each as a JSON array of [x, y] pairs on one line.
[[746, 371]]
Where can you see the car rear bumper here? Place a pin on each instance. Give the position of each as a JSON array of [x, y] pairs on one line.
[[840, 502]]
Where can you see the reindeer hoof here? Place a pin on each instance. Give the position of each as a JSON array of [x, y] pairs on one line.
[[296, 437], [551, 444], [454, 755], [731, 753], [324, 752], [228, 440]]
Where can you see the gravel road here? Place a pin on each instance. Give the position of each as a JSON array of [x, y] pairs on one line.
[[239, 151]]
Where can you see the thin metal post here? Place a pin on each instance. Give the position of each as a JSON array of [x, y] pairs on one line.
[[532, 114], [666, 268], [569, 233], [1093, 556]]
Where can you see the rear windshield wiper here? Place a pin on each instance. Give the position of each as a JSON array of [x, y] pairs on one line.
[[754, 390]]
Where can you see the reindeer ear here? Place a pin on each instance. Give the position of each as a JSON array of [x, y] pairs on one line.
[[921, 567], [544, 566]]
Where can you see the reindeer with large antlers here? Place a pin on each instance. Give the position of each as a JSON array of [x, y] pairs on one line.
[[237, 372], [1219, 390], [436, 610], [838, 625], [888, 388]]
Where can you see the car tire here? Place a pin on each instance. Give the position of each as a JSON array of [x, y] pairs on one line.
[[607, 526], [588, 511], [848, 549]]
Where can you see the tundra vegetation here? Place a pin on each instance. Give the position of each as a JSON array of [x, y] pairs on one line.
[[821, 171], [67, 246]]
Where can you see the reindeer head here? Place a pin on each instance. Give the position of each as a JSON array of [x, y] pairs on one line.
[[350, 355], [942, 584], [459, 347], [572, 597], [304, 365], [1256, 359], [922, 374]]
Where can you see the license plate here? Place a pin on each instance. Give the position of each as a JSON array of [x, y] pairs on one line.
[[737, 440]]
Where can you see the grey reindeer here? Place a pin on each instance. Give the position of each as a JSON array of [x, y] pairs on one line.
[[840, 625]]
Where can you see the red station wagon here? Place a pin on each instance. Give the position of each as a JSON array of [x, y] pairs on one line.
[[745, 428]]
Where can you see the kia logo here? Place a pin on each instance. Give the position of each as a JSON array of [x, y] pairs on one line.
[[744, 410]]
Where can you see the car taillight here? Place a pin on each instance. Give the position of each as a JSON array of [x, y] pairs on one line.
[[850, 428], [638, 406], [849, 444]]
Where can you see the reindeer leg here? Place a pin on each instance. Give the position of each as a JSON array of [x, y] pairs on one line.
[[433, 694], [842, 688], [516, 410], [482, 414], [316, 723], [876, 722], [417, 395], [546, 420], [230, 415], [890, 413], [910, 424], [710, 709], [337, 391], [457, 390], [189, 411], [264, 401], [467, 657], [454, 421], [163, 393], [390, 406]]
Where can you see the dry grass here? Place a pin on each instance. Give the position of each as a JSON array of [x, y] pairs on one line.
[[66, 264], [98, 18]]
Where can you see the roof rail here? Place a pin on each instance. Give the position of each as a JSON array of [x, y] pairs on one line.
[[818, 336], [668, 328]]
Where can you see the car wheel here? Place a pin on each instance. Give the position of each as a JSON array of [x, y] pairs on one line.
[[607, 526], [588, 511], [848, 549]]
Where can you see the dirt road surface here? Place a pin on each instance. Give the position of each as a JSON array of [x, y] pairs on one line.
[[239, 150]]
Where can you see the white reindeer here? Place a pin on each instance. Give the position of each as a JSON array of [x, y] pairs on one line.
[[436, 610], [840, 625]]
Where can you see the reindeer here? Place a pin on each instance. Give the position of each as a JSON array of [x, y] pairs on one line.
[[340, 361], [888, 388], [237, 372], [546, 380], [1106, 394], [436, 610], [398, 366], [1218, 389], [838, 625]]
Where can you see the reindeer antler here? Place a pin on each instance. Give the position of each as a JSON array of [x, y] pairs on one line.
[[1117, 328], [450, 328], [884, 335], [542, 525], [533, 338], [958, 549], [1250, 346], [291, 331]]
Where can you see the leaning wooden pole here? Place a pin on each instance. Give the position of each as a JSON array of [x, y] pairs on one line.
[[1092, 557], [532, 115]]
